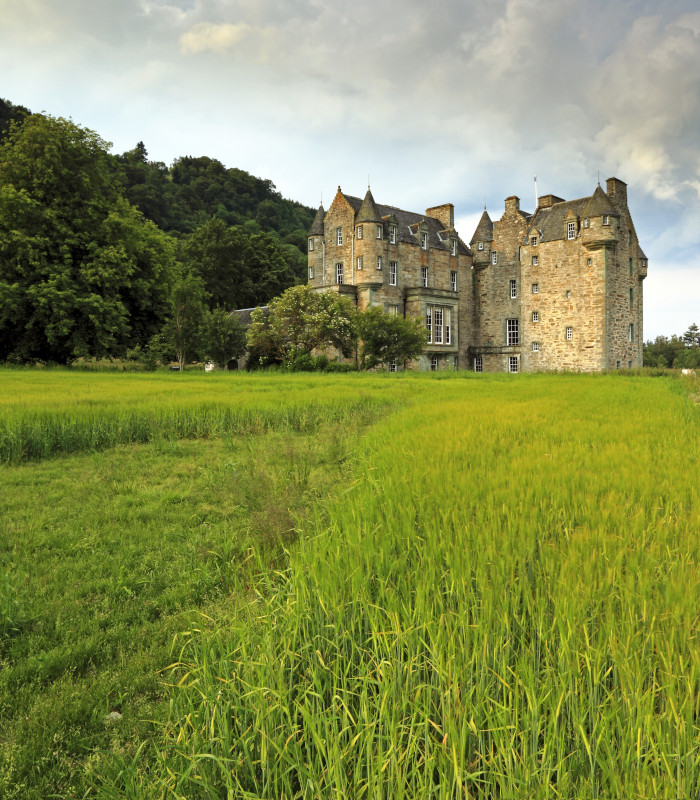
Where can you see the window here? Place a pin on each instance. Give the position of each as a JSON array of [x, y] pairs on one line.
[[629, 365], [424, 276], [339, 273], [570, 230], [393, 311], [429, 323], [513, 290], [311, 273], [437, 324], [630, 332], [535, 316], [456, 363], [453, 281], [494, 258], [535, 261], [448, 326], [392, 273], [392, 234], [359, 262], [433, 363], [338, 236], [392, 365], [359, 231], [379, 231], [589, 262], [535, 288], [379, 262], [480, 246], [512, 364], [478, 364], [424, 241], [586, 223], [606, 219], [568, 294], [535, 347], [644, 263], [569, 333], [631, 296], [453, 248], [617, 364], [311, 245], [512, 335], [533, 241]]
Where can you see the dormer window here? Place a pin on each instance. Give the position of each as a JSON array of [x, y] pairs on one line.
[[533, 241], [606, 219], [359, 231], [392, 234], [570, 230], [424, 241], [586, 223], [480, 246], [311, 245], [379, 231]]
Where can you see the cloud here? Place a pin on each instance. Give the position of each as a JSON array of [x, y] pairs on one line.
[[217, 37]]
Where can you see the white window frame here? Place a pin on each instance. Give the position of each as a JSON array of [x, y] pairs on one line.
[[379, 262], [606, 219], [438, 323], [513, 364], [379, 231], [424, 276], [535, 347], [453, 248], [533, 241], [448, 325], [478, 364], [339, 273], [393, 272], [586, 223], [392, 234], [393, 311], [453, 280], [535, 288], [311, 273], [311, 244], [589, 262], [535, 261], [568, 294], [494, 257], [424, 241], [359, 232], [429, 323], [535, 316], [392, 365], [513, 289], [569, 333], [480, 246], [339, 236], [360, 264], [570, 230], [512, 332], [433, 363]]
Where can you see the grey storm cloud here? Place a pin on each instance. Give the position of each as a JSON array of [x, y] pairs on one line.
[[436, 99]]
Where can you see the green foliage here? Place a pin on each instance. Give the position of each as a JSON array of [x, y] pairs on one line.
[[676, 351], [81, 272], [223, 337], [386, 337], [300, 321], [10, 113], [181, 335]]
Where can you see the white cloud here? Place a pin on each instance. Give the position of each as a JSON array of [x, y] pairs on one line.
[[218, 37]]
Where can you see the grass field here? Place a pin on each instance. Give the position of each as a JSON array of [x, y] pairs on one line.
[[350, 587]]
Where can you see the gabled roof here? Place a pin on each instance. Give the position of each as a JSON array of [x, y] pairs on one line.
[[484, 230], [550, 222], [404, 219], [640, 253], [317, 225], [368, 210]]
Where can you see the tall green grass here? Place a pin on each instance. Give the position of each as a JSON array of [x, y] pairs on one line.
[[505, 603]]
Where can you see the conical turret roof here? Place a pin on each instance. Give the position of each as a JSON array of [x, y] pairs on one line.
[[599, 204], [317, 225], [484, 230], [368, 210]]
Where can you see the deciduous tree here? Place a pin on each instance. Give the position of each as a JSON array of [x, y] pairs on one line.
[[386, 337]]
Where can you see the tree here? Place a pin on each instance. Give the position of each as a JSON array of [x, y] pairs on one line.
[[81, 272], [691, 338], [302, 320], [387, 337], [223, 337], [182, 332]]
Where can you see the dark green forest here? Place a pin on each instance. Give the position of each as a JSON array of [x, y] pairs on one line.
[[93, 245]]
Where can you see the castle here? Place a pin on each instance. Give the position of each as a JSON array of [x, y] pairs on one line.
[[557, 289]]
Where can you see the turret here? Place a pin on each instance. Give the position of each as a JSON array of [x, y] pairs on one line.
[[481, 241], [600, 221]]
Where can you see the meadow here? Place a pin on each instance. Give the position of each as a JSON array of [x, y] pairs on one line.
[[350, 586]]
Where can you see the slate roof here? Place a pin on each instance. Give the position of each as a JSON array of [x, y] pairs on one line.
[[368, 210], [484, 230], [599, 204], [640, 253], [406, 219], [550, 222], [317, 225], [243, 314]]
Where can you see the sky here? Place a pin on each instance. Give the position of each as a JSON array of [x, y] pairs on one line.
[[432, 101]]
